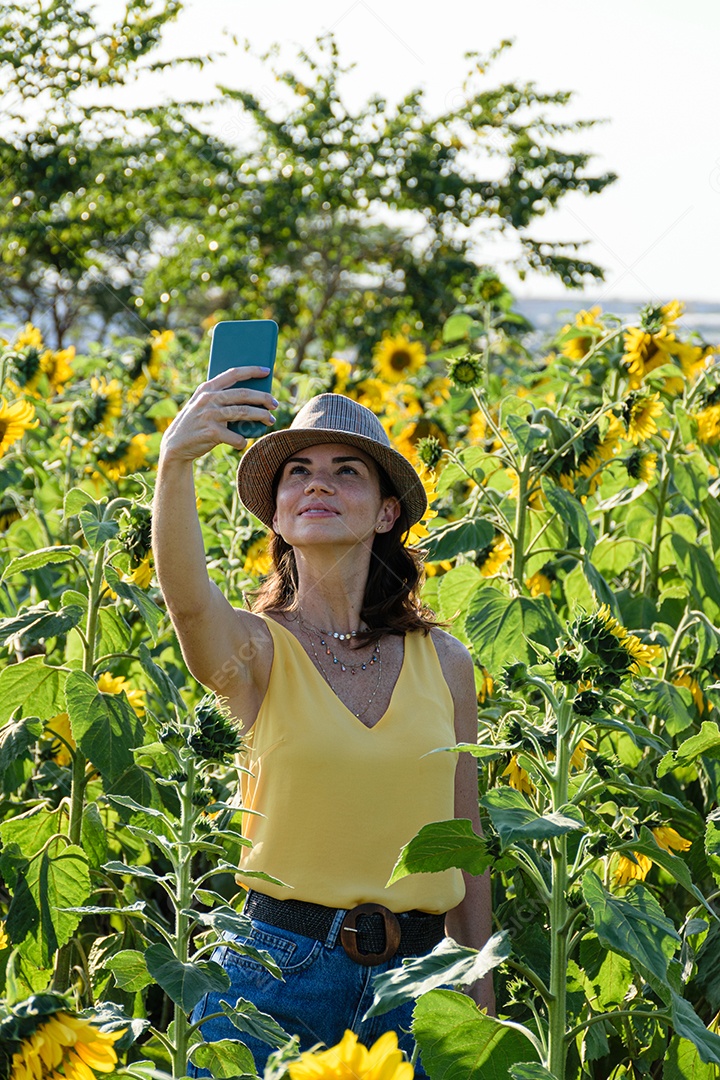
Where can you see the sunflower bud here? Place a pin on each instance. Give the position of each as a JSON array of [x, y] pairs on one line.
[[602, 766], [465, 371], [214, 735], [510, 731], [136, 537], [514, 676], [567, 669], [597, 844], [587, 703], [429, 451]]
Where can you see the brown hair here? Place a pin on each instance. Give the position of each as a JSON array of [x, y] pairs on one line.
[[391, 603]]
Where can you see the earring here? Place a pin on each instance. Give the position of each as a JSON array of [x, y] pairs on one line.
[[379, 528]]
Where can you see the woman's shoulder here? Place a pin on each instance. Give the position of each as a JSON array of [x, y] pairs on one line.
[[450, 649]]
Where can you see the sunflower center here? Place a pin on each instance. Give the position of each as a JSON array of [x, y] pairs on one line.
[[400, 359], [3, 429]]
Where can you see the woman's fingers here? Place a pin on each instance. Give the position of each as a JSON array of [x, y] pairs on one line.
[[233, 375]]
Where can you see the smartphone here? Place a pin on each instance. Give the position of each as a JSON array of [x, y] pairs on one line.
[[243, 343]]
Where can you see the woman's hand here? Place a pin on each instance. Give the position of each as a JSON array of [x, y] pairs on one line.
[[202, 423]]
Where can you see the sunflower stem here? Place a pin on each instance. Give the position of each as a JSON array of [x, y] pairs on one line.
[[557, 1006], [61, 978], [183, 900], [518, 539]]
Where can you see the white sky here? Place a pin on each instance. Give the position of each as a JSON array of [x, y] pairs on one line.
[[648, 66]]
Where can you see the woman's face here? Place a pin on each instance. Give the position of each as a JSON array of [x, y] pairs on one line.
[[331, 493]]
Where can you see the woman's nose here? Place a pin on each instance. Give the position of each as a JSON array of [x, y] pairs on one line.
[[318, 480]]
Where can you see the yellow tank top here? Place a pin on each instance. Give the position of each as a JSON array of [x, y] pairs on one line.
[[338, 800]]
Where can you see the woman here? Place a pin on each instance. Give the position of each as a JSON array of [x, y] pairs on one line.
[[342, 686]]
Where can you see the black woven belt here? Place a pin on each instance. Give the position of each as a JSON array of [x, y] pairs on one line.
[[370, 933]]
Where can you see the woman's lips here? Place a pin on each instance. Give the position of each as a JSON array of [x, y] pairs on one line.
[[319, 513]]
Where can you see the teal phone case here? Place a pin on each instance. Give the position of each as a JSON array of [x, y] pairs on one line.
[[239, 343]]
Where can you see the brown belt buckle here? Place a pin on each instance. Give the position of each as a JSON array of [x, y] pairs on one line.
[[349, 932]]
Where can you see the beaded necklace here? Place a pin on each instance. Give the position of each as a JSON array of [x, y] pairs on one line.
[[343, 667]]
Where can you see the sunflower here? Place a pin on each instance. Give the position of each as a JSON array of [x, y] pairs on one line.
[[418, 532], [56, 366], [465, 371], [31, 336], [68, 1043], [684, 678], [105, 404], [489, 559], [258, 560], [518, 778], [9, 513], [486, 687], [619, 651], [142, 576], [639, 414], [126, 457], [59, 725], [708, 424], [641, 465], [115, 684], [652, 343], [342, 370], [668, 839], [394, 358], [539, 584], [15, 419], [579, 754], [693, 358], [578, 346], [4, 939], [434, 569], [372, 393], [350, 1060], [26, 369], [626, 870]]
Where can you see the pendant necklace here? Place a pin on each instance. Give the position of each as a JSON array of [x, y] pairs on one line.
[[376, 656], [324, 635]]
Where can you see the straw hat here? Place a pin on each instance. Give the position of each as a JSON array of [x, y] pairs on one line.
[[327, 418]]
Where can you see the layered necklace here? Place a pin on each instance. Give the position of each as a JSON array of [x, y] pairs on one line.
[[325, 636]]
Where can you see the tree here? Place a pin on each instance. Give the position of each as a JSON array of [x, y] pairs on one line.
[[175, 225]]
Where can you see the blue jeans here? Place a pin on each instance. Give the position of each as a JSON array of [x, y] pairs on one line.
[[324, 993]]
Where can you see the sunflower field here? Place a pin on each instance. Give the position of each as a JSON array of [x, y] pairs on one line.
[[572, 543]]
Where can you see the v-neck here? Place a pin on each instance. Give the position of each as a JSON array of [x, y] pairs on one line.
[[326, 684]]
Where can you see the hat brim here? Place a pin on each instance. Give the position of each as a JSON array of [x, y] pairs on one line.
[[261, 461]]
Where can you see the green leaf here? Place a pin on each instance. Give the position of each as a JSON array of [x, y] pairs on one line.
[[151, 613], [247, 1018], [76, 500], [634, 926], [94, 838], [36, 918], [16, 738], [527, 436], [32, 686], [612, 555], [456, 328], [711, 509], [697, 569], [168, 690], [599, 586], [447, 963], [688, 1024], [712, 843], [224, 920], [499, 627], [130, 970], [104, 726], [31, 830], [115, 867], [707, 739], [515, 819], [456, 586], [668, 702], [442, 845], [606, 975], [458, 1042], [38, 623], [224, 1058], [572, 512], [530, 1070], [683, 1062], [95, 531], [690, 474], [184, 984], [35, 559], [457, 538], [115, 634]]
